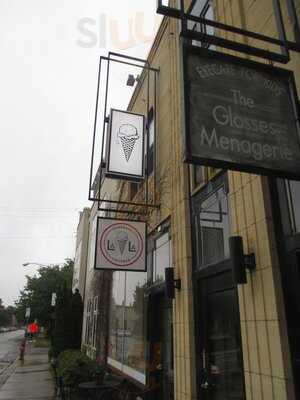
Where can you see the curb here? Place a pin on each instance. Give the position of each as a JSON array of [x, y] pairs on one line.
[[7, 372]]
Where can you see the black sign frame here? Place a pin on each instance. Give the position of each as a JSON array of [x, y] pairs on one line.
[[222, 164], [118, 175], [98, 169], [285, 45]]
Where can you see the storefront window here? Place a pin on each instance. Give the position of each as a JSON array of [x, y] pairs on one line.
[[127, 333], [135, 324], [213, 228], [116, 326]]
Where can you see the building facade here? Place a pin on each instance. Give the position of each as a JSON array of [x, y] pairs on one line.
[[82, 239], [97, 286], [216, 339]]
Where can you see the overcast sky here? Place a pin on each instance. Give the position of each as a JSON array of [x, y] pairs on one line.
[[49, 61]]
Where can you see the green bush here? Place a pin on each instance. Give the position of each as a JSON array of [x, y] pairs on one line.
[[74, 367], [67, 332]]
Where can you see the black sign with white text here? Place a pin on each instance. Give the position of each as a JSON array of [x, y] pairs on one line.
[[240, 115]]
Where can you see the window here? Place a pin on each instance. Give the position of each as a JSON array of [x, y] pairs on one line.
[[198, 175], [92, 313], [76, 273], [151, 132], [293, 197], [92, 242], [116, 317], [88, 329], [95, 321], [212, 228], [162, 257], [159, 258], [127, 330]]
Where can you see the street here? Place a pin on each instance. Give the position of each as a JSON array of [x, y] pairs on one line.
[[9, 347]]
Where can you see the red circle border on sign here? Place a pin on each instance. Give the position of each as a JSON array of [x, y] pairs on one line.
[[131, 228]]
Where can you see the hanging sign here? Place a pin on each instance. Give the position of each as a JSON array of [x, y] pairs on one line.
[[120, 245], [53, 299], [240, 115], [125, 146]]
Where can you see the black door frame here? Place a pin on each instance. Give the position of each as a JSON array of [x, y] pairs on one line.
[[205, 272], [286, 246], [157, 296]]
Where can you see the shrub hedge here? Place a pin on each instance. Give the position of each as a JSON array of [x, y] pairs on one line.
[[74, 367]]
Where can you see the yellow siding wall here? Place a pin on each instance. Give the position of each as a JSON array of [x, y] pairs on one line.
[[264, 338], [172, 190], [265, 347]]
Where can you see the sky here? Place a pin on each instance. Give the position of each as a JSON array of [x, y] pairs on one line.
[[49, 63]]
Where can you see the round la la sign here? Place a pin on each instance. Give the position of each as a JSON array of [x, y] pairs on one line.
[[120, 245]]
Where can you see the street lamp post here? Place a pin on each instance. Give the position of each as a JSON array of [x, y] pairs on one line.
[[41, 264]]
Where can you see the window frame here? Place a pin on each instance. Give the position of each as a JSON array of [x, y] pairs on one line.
[[207, 6], [164, 229], [121, 365], [195, 186], [211, 188], [291, 208]]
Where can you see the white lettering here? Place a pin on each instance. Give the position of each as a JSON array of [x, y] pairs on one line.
[[255, 150]]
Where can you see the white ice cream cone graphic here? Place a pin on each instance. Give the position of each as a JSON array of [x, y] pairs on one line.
[[128, 136], [122, 239]]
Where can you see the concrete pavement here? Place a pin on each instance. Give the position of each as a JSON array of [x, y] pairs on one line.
[[9, 345], [31, 380], [9, 350]]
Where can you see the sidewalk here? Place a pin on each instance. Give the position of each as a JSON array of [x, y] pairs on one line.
[[31, 380]]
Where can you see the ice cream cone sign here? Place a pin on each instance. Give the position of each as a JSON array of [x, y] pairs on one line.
[[128, 135], [125, 146]]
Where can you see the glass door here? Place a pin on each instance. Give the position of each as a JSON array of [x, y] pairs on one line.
[[218, 336], [161, 374], [221, 377], [168, 369], [291, 280]]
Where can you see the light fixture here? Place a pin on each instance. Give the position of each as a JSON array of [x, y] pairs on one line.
[[240, 261], [131, 80], [171, 283]]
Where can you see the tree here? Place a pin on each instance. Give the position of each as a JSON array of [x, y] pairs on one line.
[[77, 318], [5, 317], [62, 325], [38, 291], [68, 321]]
